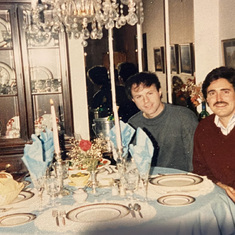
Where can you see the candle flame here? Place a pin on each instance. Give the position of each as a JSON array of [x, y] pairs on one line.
[[51, 102]]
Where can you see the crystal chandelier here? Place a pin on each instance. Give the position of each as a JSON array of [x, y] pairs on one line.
[[81, 18]]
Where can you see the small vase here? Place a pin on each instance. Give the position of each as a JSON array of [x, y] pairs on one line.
[[93, 181]]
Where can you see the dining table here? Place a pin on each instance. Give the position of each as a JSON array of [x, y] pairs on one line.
[[175, 211]]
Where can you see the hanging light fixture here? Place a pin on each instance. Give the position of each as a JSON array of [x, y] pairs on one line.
[[81, 18]]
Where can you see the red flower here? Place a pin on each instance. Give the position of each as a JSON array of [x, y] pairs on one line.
[[85, 145]]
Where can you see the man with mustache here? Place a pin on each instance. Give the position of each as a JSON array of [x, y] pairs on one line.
[[214, 140]]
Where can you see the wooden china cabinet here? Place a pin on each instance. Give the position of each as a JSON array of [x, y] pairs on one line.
[[33, 70]]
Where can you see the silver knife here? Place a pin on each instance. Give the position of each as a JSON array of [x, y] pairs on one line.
[[57, 220], [62, 214], [55, 215]]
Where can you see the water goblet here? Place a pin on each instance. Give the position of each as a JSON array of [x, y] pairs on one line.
[[52, 188], [39, 185], [144, 176], [131, 177], [61, 172]]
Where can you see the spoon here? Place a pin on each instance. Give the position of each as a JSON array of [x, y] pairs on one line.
[[137, 207], [132, 210]]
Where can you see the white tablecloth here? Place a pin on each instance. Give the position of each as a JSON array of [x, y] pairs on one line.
[[210, 214]]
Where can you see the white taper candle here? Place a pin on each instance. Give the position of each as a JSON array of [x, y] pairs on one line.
[[113, 90], [55, 130]]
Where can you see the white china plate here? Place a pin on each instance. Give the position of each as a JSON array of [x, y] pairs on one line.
[[176, 180], [3, 27], [16, 219], [176, 200], [22, 196], [40, 73], [101, 212], [103, 162], [7, 75]]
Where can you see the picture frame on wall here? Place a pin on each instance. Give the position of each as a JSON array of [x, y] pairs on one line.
[[229, 52], [159, 59], [186, 58], [175, 58]]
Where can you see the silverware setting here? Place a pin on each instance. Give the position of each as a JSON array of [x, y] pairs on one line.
[[59, 215], [130, 206], [137, 208], [55, 214]]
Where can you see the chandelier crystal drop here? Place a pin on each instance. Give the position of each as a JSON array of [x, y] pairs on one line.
[[80, 18]]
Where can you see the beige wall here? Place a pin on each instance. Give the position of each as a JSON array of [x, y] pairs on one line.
[[180, 27]]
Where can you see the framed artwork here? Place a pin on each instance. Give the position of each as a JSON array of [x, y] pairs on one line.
[[159, 59], [229, 52], [175, 58], [186, 58]]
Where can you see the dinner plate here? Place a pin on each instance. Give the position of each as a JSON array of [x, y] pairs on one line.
[[176, 180], [103, 162], [40, 73], [101, 212], [7, 74], [4, 26], [176, 200], [16, 219], [22, 196]]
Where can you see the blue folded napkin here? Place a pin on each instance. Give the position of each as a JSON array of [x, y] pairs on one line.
[[126, 135], [38, 155], [142, 152]]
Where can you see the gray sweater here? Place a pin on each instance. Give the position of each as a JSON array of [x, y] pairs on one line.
[[172, 133]]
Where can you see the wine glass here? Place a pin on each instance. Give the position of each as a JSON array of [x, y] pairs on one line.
[[39, 185], [52, 188], [131, 176], [144, 176]]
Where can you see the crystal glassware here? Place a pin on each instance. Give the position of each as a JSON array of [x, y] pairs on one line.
[[131, 177], [144, 177], [52, 188]]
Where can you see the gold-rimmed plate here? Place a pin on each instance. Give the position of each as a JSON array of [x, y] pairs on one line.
[[16, 219], [176, 180], [22, 196], [100, 212], [4, 29], [176, 200]]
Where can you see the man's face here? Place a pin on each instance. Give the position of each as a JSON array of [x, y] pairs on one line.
[[221, 98], [147, 99]]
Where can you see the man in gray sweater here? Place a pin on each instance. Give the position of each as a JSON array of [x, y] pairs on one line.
[[170, 127]]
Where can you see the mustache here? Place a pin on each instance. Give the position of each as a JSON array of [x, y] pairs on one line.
[[220, 102]]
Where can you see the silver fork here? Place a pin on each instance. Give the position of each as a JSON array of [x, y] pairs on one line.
[[55, 214], [63, 215]]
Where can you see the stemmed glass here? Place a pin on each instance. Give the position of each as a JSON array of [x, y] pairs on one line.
[[144, 176], [39, 185], [131, 176], [52, 188], [60, 169]]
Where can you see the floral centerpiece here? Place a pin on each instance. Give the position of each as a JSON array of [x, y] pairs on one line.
[[85, 154], [194, 91]]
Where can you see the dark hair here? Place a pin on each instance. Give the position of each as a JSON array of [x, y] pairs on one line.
[[98, 75], [126, 69], [217, 73], [145, 78]]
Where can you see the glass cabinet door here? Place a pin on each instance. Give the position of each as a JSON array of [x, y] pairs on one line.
[[9, 101], [33, 71]]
